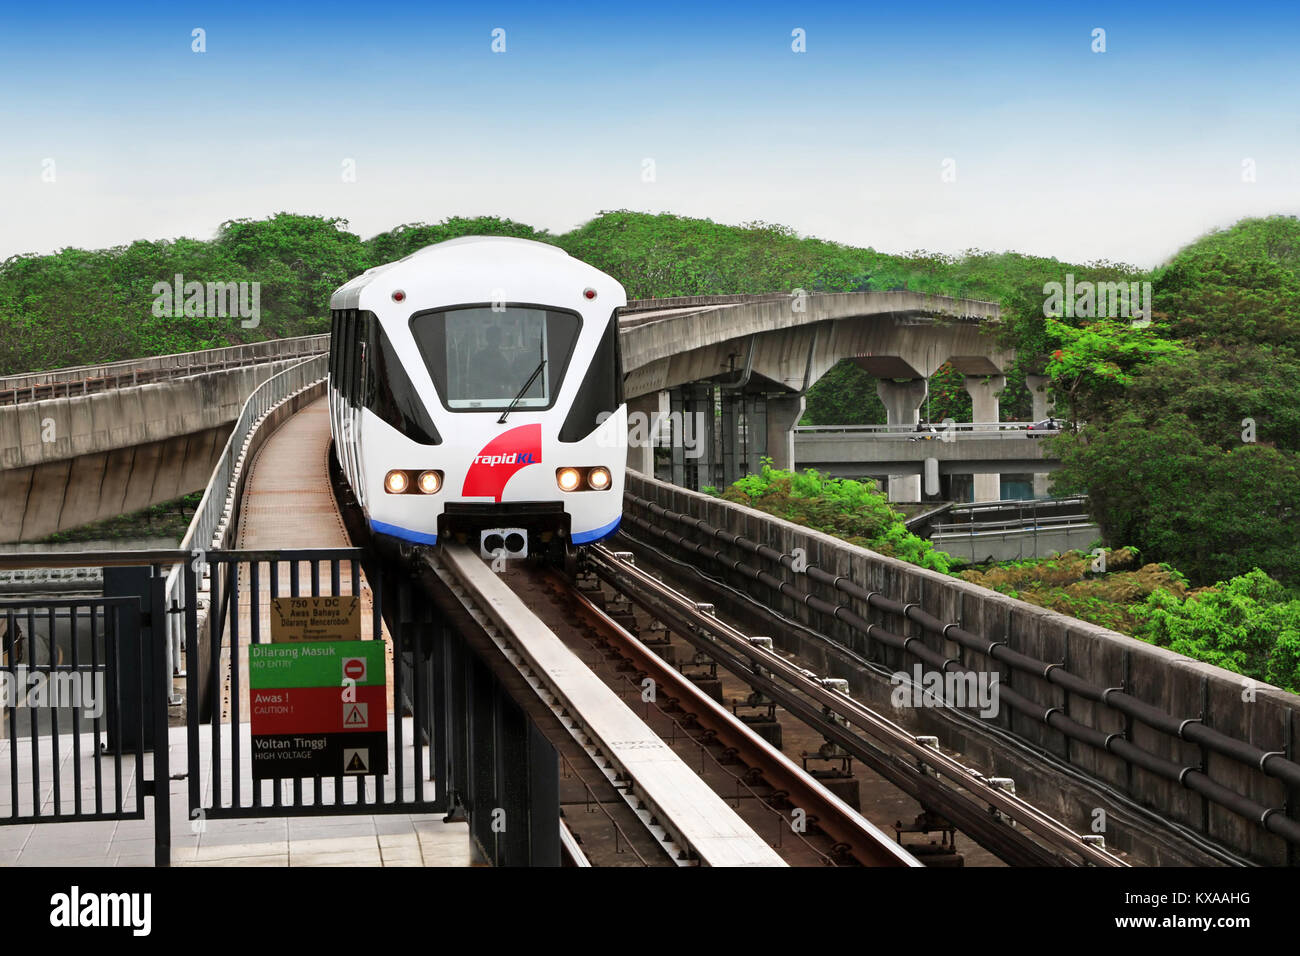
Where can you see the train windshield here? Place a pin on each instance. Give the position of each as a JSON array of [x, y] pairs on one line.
[[480, 358]]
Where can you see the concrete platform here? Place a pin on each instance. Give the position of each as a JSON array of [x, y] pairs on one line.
[[384, 839]]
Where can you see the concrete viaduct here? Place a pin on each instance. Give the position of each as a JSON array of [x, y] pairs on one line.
[[854, 452], [754, 358], [83, 444]]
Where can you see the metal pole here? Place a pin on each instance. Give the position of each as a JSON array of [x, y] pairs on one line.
[[162, 805]]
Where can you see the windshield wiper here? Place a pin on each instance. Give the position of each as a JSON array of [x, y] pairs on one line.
[[527, 385]]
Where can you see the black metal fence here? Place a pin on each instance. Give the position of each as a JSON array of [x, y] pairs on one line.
[[93, 744], [243, 586], [78, 711]]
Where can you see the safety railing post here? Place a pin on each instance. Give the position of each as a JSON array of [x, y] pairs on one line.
[[162, 680]]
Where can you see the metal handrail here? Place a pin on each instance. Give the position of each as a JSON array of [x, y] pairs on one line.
[[936, 431], [952, 534], [910, 428], [178, 363], [200, 534], [1020, 503], [1014, 524]]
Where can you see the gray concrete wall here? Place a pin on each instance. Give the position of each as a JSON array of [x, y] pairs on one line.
[[67, 462], [39, 500], [823, 450], [1016, 545], [910, 333], [1175, 684], [58, 429]]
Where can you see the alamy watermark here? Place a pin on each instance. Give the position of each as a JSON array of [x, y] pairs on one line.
[[924, 688], [75, 909], [39, 689], [686, 431], [214, 300], [1098, 300]]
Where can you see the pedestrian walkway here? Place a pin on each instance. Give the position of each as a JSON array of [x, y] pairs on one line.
[[361, 840]]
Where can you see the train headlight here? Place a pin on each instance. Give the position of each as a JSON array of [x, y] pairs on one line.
[[568, 479], [396, 482], [429, 482], [598, 478]]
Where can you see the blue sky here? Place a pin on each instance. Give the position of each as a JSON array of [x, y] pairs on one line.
[[1057, 150]]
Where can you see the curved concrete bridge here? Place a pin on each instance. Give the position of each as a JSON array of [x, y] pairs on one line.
[[107, 447], [755, 357]]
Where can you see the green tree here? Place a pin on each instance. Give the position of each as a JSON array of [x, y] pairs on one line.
[[1249, 624]]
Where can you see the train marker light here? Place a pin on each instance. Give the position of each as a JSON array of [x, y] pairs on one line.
[[589, 293], [429, 482], [568, 479], [396, 482], [399, 295]]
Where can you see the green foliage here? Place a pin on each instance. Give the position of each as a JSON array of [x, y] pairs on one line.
[[76, 307], [853, 510], [1212, 512], [1192, 445], [665, 255], [1066, 584], [170, 519], [1094, 363], [402, 241], [1249, 624], [948, 396], [846, 395]]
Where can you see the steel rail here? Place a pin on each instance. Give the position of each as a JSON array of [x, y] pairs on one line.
[[1270, 763], [869, 845], [866, 719], [499, 614]]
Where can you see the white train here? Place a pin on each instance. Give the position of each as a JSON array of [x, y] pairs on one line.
[[476, 390]]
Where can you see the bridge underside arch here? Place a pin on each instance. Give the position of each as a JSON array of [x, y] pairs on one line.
[[744, 394], [794, 358]]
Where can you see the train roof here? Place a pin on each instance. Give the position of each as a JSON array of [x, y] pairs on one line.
[[469, 262]]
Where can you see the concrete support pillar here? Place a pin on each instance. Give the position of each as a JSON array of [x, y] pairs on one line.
[[1037, 385], [644, 415], [783, 413], [902, 402], [984, 392], [690, 432], [755, 433], [730, 436]]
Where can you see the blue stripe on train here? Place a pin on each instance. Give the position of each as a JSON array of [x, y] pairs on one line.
[[587, 537], [419, 537]]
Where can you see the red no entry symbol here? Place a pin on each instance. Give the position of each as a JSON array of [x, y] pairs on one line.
[[354, 668]]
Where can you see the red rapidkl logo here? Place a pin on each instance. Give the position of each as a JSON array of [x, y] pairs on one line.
[[499, 459], [520, 457]]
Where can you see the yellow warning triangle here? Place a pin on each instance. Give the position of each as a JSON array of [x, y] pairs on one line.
[[355, 764]]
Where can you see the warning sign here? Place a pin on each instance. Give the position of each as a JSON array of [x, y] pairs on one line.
[[315, 619], [356, 760], [319, 708]]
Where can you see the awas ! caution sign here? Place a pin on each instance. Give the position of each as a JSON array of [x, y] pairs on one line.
[[319, 709]]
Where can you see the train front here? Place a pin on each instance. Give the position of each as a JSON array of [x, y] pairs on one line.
[[526, 395]]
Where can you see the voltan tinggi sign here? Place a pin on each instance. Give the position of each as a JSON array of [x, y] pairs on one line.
[[319, 709]]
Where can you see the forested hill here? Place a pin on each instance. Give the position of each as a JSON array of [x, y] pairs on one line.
[[1192, 450], [79, 306]]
